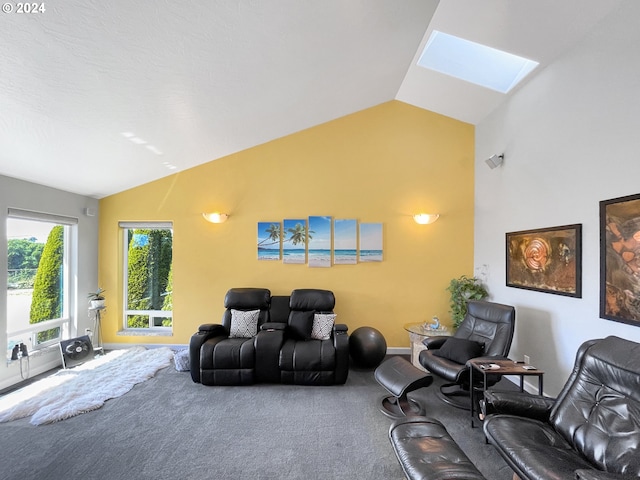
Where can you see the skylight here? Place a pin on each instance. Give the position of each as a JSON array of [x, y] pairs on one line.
[[475, 63]]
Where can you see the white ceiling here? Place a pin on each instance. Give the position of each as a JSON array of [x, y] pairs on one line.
[[199, 80]]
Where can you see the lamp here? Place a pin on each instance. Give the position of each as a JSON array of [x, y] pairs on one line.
[[494, 161], [215, 217], [426, 218]]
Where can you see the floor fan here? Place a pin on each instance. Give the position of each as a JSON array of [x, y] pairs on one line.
[[76, 351]]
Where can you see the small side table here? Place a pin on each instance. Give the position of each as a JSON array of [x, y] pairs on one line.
[[97, 327], [417, 333], [505, 367]]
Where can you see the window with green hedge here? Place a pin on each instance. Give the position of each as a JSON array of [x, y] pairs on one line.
[[148, 274]]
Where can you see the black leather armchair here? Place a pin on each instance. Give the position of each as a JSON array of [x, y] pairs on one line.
[[590, 432], [220, 356], [307, 360], [486, 331]]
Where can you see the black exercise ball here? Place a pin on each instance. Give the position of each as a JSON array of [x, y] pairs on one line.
[[367, 347]]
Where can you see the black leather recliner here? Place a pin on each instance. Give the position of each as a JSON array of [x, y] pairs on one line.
[[308, 361], [486, 331], [218, 359], [590, 432]]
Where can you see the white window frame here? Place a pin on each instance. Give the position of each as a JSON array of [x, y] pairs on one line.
[[153, 314], [64, 322]]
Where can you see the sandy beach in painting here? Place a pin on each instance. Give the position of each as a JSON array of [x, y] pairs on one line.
[[319, 258], [370, 255], [268, 254], [293, 255], [345, 257]]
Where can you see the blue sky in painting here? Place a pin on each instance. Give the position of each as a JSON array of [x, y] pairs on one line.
[[345, 234], [370, 236], [321, 226]]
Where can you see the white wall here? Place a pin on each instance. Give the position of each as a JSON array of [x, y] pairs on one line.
[[28, 196], [571, 138]]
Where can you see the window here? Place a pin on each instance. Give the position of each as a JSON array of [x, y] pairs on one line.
[[148, 282], [474, 62], [38, 300]]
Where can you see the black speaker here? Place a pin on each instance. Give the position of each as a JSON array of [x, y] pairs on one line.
[[76, 351]]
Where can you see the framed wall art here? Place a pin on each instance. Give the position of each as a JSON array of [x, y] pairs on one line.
[[269, 239], [294, 240], [319, 241], [546, 260], [345, 242], [370, 242], [620, 259]]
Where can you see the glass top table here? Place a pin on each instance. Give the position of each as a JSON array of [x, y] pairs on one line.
[[419, 328], [418, 331]]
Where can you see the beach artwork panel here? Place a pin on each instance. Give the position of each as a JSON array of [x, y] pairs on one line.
[[294, 242], [370, 242], [319, 241], [345, 242], [269, 240]]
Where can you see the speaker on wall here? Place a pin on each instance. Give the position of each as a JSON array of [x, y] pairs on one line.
[[494, 161]]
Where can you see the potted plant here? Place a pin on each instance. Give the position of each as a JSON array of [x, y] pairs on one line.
[[96, 299], [463, 289]]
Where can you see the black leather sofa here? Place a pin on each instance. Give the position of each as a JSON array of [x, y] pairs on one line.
[[591, 431], [272, 339]]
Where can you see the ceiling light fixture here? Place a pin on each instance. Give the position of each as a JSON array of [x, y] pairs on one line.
[[426, 218], [215, 217]]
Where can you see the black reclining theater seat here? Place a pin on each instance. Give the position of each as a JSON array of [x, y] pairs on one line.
[[303, 359], [225, 354], [590, 432]]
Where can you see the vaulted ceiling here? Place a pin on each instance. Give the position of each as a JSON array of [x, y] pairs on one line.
[[98, 97]]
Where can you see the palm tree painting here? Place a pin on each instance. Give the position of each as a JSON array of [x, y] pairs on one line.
[[295, 241], [269, 239]]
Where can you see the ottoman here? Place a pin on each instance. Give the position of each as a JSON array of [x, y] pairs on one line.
[[399, 378], [426, 451]]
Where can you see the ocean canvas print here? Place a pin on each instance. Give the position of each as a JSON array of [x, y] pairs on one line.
[[294, 241], [345, 242], [269, 238], [319, 241], [370, 242]]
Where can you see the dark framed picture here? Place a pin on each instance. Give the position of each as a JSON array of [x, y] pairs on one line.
[[620, 259], [546, 260]]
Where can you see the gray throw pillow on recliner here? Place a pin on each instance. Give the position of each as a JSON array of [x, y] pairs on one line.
[[459, 350]]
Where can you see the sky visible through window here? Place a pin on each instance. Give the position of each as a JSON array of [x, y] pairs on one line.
[[474, 63]]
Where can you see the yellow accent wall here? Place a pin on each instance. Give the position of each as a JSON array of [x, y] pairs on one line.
[[382, 164]]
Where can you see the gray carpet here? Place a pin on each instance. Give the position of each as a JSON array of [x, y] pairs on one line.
[[170, 428]]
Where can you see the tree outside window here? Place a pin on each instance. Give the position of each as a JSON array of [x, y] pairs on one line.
[[149, 281], [36, 280]]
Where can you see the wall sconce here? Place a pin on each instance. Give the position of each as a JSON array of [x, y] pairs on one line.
[[494, 161], [215, 217], [426, 218]]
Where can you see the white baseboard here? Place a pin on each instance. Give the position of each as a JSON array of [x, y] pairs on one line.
[[120, 346], [35, 368], [178, 346], [398, 351], [529, 386]]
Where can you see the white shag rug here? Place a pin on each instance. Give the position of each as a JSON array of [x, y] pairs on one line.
[[84, 388]]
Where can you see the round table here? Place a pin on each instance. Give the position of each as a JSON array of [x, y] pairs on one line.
[[418, 331]]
